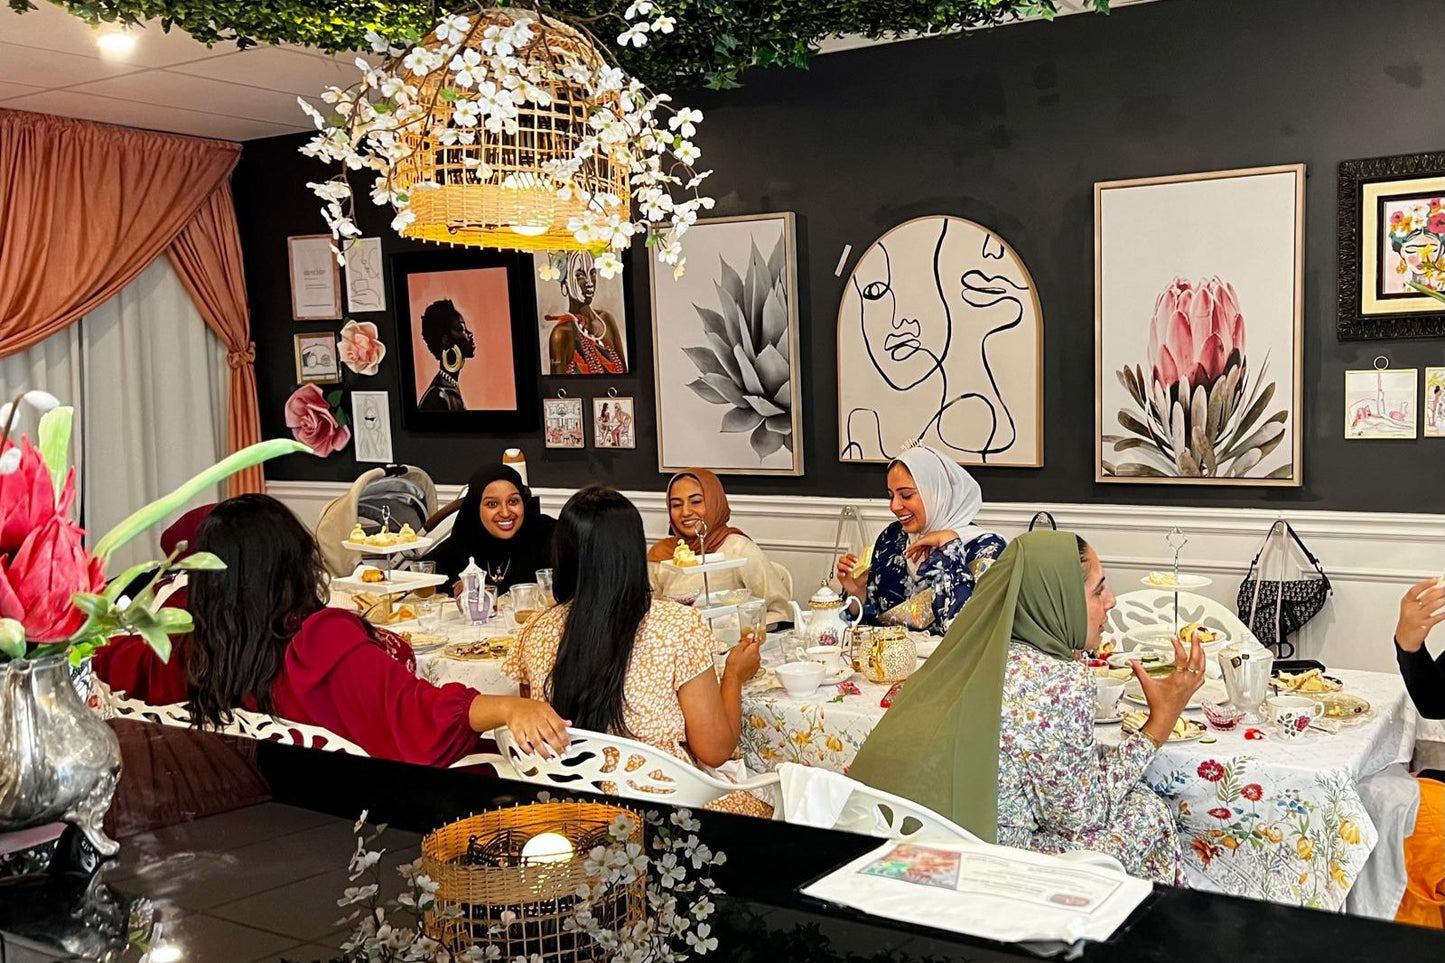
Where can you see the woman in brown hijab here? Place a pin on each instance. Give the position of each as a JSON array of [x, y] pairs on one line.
[[698, 511]]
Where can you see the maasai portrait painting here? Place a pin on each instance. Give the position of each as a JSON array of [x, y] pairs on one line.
[[464, 319], [1198, 313], [939, 342], [581, 317]]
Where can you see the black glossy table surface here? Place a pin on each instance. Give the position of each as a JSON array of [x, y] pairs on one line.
[[260, 884]]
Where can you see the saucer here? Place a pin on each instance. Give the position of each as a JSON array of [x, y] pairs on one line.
[[1109, 720]]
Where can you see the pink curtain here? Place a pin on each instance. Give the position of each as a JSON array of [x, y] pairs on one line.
[[85, 207], [207, 256]]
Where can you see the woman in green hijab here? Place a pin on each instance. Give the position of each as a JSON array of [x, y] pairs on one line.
[[996, 731]]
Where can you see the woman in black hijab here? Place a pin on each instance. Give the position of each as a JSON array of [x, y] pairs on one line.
[[501, 525]]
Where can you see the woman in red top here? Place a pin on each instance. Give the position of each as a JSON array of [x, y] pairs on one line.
[[264, 640]]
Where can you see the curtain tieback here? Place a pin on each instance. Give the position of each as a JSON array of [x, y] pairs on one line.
[[243, 358]]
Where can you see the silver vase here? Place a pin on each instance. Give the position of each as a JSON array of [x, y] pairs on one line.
[[58, 760]]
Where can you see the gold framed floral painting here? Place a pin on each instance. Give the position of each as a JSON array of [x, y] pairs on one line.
[[1198, 291], [1392, 247]]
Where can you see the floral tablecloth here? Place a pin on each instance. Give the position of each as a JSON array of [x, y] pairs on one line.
[[1263, 818], [1281, 819]]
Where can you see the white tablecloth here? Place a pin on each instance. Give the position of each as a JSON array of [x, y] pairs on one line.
[[1269, 818], [432, 663]]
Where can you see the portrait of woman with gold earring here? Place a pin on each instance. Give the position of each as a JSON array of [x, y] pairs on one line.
[[451, 342]]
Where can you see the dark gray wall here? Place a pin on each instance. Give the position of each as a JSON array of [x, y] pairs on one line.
[[1010, 129]]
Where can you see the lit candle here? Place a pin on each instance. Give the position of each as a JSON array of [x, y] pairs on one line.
[[547, 848]]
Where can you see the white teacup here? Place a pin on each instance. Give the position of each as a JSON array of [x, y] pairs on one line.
[[830, 657], [1106, 696], [1292, 715], [801, 679]]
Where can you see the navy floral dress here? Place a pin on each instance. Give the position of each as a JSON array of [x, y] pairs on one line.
[[950, 571]]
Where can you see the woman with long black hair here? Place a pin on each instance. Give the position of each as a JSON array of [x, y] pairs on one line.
[[265, 641], [613, 659]]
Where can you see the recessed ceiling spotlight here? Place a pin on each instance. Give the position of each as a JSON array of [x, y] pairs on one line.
[[116, 42]]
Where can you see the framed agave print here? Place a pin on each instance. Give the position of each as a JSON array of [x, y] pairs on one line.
[[1198, 293], [726, 336], [1392, 247]]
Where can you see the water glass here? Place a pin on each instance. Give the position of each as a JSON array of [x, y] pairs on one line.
[[424, 568], [526, 602], [544, 581], [429, 614], [753, 621]]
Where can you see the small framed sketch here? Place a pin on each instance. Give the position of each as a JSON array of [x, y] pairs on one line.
[[1380, 403], [562, 423], [1434, 403], [613, 424], [315, 278], [316, 359], [365, 288], [371, 426]]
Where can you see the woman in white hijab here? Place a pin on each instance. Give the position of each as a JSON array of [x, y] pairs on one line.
[[923, 566]]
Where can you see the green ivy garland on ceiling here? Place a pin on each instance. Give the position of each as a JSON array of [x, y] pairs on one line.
[[714, 42]]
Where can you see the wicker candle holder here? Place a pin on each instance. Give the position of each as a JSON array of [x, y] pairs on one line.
[[483, 879]]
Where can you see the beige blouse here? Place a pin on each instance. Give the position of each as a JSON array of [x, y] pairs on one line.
[[758, 576], [673, 647]]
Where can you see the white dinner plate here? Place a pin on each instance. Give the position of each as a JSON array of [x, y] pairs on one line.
[[1212, 690]]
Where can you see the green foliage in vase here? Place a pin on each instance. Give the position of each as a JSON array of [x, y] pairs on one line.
[[713, 42]]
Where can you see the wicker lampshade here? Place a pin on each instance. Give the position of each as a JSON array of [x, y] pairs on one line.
[[480, 874], [516, 205]]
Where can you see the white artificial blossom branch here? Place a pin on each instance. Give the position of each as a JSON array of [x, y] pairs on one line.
[[486, 80]]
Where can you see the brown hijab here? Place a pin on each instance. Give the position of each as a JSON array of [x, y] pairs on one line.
[[715, 515]]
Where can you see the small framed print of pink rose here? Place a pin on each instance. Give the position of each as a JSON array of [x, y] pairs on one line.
[[317, 421], [361, 347]]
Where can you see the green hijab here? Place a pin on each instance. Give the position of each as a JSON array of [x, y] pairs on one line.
[[938, 745]]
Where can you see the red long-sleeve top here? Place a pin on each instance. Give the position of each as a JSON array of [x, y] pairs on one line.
[[335, 675]]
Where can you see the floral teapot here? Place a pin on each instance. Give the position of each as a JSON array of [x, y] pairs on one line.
[[825, 624]]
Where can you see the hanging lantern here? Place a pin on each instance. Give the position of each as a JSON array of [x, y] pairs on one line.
[[505, 127], [498, 192]]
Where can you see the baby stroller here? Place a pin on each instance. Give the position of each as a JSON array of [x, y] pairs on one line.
[[402, 493]]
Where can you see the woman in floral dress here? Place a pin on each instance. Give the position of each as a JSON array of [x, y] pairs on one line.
[[934, 546], [626, 663], [996, 731]]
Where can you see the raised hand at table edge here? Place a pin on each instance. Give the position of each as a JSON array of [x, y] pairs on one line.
[[1419, 613], [1168, 696], [844, 574], [743, 661]]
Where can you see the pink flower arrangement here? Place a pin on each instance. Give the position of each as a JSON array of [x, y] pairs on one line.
[[361, 348], [43, 560], [54, 598], [312, 422], [1195, 329]]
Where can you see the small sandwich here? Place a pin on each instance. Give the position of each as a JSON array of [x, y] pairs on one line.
[[862, 565]]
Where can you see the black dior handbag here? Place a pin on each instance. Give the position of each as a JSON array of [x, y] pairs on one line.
[[1275, 609], [1044, 517]]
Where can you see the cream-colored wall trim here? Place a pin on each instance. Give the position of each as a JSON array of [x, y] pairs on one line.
[[1371, 558]]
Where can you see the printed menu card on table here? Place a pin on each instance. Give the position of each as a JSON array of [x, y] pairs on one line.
[[986, 891]]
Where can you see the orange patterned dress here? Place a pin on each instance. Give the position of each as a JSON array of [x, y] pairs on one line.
[[673, 646]]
